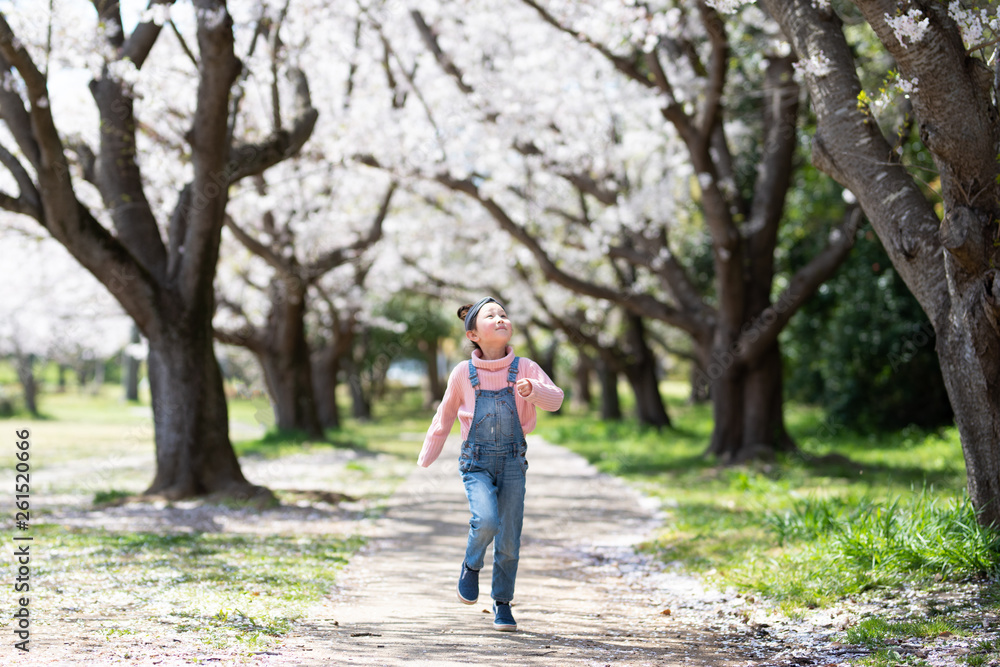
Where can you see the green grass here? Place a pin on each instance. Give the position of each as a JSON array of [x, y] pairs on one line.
[[886, 657], [873, 632], [226, 590], [847, 513]]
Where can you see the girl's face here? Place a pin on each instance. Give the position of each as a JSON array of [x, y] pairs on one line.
[[492, 326]]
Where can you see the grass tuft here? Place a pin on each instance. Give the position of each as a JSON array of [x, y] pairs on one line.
[[873, 632]]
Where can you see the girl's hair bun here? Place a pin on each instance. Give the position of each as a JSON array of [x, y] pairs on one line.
[[463, 311]]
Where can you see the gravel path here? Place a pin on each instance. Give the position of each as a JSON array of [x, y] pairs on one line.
[[584, 597]]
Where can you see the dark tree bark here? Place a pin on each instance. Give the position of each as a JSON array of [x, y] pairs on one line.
[[361, 406], [326, 371], [700, 384], [435, 388], [611, 408], [130, 370], [281, 349], [29, 385], [640, 368], [583, 371], [948, 264], [165, 287], [191, 418], [285, 360], [328, 362]]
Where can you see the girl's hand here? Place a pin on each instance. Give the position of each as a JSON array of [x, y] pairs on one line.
[[523, 387]]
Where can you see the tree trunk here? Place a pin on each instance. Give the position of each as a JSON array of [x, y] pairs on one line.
[[130, 370], [649, 407], [285, 358], [727, 414], [26, 376], [747, 406], [435, 388], [611, 408], [361, 408], [61, 379], [326, 369], [290, 386], [968, 348], [763, 418], [582, 395], [640, 370], [193, 453], [700, 384]]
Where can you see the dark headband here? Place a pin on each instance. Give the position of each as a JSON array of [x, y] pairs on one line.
[[470, 317]]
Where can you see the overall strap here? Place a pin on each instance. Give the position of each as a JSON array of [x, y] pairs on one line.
[[512, 373], [473, 376]]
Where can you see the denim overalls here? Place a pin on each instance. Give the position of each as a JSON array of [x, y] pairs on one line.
[[493, 466]]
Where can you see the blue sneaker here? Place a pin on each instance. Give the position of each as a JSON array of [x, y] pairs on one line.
[[468, 585], [503, 619]]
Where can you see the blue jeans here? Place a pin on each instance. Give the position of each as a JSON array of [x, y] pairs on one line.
[[493, 466], [494, 485]]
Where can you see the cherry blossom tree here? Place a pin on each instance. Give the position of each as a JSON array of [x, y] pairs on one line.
[[100, 189], [280, 342], [942, 239], [598, 134]]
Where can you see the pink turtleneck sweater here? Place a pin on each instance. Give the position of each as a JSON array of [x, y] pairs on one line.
[[460, 398]]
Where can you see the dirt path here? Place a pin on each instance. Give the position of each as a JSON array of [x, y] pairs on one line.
[[583, 596]]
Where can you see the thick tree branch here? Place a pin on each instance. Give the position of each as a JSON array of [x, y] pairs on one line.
[[247, 337], [718, 67], [965, 152], [29, 202], [276, 45], [138, 45], [37, 121], [780, 111], [209, 141], [430, 39], [256, 247], [67, 220], [115, 171], [252, 159], [16, 117]]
